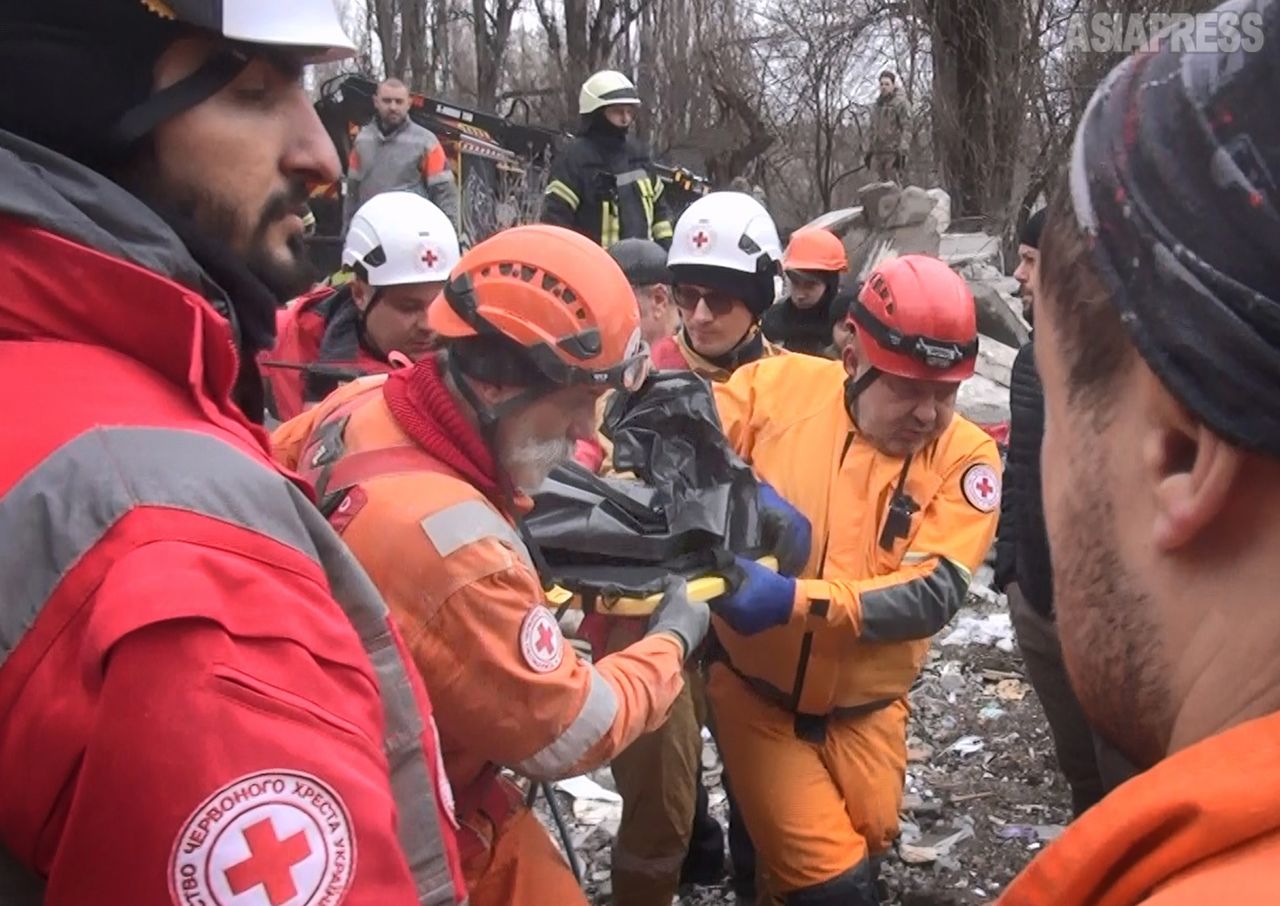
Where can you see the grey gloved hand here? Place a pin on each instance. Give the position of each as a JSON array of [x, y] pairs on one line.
[[677, 615]]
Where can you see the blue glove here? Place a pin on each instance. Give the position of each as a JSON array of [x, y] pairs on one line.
[[763, 599], [787, 532]]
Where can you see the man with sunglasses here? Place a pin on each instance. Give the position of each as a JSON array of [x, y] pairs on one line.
[[426, 473], [724, 258], [811, 675], [813, 263]]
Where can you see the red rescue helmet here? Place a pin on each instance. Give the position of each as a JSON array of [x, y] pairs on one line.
[[916, 318]]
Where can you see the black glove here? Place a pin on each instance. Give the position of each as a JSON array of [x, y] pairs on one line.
[[678, 616]]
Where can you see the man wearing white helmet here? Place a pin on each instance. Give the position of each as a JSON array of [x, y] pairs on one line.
[[202, 697], [399, 250], [724, 259], [603, 184]]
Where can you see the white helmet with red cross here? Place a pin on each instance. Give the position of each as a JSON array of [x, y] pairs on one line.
[[400, 237]]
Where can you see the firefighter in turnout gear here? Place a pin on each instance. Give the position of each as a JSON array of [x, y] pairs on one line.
[[426, 474], [603, 184]]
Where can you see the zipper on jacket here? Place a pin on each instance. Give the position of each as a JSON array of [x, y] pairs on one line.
[[806, 644]]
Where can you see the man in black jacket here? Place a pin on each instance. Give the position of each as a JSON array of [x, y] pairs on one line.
[[1022, 558], [603, 184]]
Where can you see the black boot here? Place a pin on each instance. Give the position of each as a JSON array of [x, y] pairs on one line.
[[704, 863]]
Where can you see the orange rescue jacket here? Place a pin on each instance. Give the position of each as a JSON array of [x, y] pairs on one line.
[[509, 690], [1202, 826], [864, 614]]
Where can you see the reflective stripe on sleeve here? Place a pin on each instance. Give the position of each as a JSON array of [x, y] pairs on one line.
[[563, 192], [593, 721], [467, 522], [58, 512]]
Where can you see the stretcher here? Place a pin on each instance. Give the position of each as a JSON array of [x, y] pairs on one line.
[[628, 592]]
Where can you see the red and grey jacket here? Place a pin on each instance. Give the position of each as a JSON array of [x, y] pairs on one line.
[[319, 346], [201, 692]]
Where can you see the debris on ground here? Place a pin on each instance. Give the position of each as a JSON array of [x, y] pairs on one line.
[[983, 794]]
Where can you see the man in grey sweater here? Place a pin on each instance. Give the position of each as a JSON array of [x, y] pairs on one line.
[[392, 153]]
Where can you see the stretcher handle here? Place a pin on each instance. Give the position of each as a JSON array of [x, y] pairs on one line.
[[703, 588]]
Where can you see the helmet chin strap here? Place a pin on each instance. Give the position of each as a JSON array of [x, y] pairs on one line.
[[488, 417], [216, 73]]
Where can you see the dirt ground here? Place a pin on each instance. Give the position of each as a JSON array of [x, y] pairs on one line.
[[983, 794]]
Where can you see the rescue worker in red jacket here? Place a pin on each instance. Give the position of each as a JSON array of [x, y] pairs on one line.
[[428, 471], [1156, 338], [399, 251], [809, 687], [202, 697]]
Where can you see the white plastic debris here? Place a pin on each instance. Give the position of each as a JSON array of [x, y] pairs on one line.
[[992, 629], [967, 745], [583, 787]]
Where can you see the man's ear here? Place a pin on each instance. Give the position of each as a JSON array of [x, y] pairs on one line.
[[1192, 470], [361, 294], [850, 357]]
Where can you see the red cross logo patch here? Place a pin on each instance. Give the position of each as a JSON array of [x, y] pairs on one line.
[[702, 239], [277, 838], [541, 641], [430, 257], [981, 487]]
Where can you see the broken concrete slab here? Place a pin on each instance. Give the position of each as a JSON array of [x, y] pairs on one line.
[[998, 315], [959, 249], [983, 401]]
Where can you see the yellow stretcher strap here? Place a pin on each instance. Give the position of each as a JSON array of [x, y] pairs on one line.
[[703, 588]]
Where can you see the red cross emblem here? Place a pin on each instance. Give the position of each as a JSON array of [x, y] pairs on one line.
[[981, 486], [700, 239], [430, 257], [540, 640], [546, 640], [270, 863]]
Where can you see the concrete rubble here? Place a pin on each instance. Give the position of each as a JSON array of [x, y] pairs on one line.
[[982, 792]]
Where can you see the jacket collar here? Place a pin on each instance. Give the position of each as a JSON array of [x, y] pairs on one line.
[[87, 262]]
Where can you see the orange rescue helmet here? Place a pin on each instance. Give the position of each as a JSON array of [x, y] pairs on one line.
[[916, 318], [557, 295], [815, 249]]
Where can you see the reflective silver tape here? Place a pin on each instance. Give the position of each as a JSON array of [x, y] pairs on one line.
[[59, 511], [626, 179], [456, 526], [593, 721]]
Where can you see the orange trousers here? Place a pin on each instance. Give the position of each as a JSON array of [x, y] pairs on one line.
[[522, 868], [814, 810]]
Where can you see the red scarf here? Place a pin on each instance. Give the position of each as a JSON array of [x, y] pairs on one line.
[[425, 409]]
